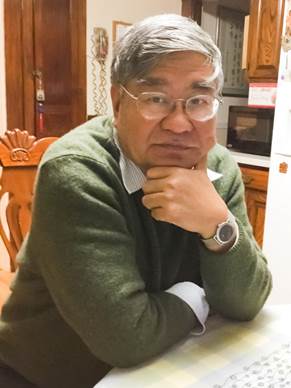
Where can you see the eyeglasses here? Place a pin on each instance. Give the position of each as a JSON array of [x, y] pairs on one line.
[[154, 105]]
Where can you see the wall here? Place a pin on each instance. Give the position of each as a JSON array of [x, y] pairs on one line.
[[101, 13]]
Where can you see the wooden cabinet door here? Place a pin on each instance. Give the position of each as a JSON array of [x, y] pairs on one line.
[[256, 184], [256, 205], [264, 42], [46, 37]]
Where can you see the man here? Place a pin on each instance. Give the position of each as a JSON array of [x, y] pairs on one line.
[[139, 223]]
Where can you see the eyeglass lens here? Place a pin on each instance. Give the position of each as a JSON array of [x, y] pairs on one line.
[[158, 105]]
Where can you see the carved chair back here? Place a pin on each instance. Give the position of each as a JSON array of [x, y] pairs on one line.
[[20, 154]]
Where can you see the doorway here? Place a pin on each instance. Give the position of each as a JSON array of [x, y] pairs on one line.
[[45, 52]]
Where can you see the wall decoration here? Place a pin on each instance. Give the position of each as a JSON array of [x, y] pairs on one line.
[[230, 33], [118, 28], [99, 51]]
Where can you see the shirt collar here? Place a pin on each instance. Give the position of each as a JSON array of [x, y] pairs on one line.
[[132, 176]]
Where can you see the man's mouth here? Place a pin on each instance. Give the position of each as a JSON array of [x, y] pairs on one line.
[[174, 146]]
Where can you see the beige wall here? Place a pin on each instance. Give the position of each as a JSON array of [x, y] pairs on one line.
[[101, 13]]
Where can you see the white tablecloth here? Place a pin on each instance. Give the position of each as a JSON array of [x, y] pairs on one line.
[[229, 355]]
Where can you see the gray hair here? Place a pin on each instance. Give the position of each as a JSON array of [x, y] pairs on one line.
[[144, 43]]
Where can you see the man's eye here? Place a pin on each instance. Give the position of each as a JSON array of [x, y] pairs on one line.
[[200, 100], [157, 100]]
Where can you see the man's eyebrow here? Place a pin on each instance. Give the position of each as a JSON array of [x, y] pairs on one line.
[[151, 81], [203, 85], [206, 86]]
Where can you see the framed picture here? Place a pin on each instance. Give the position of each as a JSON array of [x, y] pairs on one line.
[[118, 28], [230, 35]]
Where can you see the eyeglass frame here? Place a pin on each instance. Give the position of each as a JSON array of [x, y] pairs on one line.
[[136, 98]]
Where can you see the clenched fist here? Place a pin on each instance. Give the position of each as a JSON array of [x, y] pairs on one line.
[[184, 197]]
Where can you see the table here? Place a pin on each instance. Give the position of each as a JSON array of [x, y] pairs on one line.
[[229, 355]]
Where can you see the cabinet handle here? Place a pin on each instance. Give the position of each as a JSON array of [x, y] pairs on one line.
[[247, 179]]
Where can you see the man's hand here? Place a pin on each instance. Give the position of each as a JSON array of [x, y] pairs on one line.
[[184, 197]]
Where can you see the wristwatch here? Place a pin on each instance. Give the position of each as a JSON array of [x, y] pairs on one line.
[[224, 237]]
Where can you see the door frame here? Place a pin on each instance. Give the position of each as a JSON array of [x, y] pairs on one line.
[[192, 9]]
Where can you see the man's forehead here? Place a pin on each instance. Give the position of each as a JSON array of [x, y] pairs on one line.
[[194, 68], [206, 83]]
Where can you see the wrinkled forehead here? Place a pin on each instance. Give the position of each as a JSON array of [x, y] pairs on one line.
[[187, 66], [207, 85]]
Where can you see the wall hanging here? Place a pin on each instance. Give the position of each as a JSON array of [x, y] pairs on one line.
[[99, 51]]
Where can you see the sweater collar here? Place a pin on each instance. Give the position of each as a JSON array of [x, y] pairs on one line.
[[132, 176]]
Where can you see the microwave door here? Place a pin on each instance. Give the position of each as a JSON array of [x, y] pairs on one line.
[[250, 130]]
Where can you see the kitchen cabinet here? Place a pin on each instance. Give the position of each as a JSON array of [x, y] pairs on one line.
[[264, 40], [256, 183]]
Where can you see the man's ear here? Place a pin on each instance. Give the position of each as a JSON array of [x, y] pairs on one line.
[[115, 98]]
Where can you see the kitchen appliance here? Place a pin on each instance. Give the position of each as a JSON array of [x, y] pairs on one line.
[[277, 234], [250, 130]]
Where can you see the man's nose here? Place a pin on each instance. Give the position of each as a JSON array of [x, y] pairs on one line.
[[177, 120]]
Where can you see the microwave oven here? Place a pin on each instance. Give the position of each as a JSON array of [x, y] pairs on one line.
[[250, 130]]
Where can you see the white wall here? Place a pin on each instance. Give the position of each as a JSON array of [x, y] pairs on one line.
[[101, 13]]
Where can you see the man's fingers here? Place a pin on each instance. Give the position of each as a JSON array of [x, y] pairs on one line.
[[163, 172], [159, 172], [155, 200], [154, 186], [159, 215]]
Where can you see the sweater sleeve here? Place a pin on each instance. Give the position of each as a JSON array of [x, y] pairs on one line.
[[236, 283], [86, 255]]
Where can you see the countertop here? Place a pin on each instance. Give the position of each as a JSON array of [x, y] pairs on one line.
[[252, 160]]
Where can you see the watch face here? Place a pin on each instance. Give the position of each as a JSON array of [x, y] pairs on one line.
[[226, 232]]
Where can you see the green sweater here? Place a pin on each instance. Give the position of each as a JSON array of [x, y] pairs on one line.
[[89, 293]]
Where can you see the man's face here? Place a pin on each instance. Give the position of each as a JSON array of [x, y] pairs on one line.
[[175, 140]]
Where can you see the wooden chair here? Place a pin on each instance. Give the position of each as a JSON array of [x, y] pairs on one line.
[[20, 154]]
